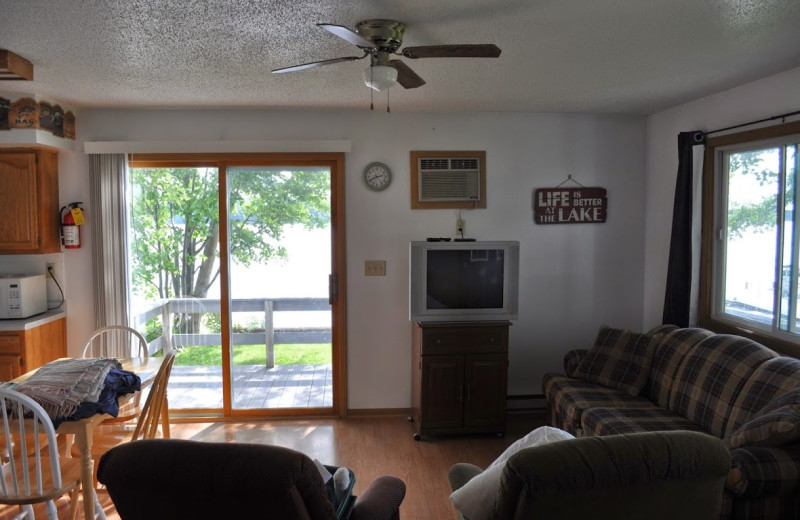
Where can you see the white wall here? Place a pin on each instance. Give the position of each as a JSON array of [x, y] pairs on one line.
[[573, 278], [774, 95]]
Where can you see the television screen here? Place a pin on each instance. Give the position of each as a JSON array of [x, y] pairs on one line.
[[465, 279]]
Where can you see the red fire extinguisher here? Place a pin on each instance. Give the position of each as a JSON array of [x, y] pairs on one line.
[[71, 222]]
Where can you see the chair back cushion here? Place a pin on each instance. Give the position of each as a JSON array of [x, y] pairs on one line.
[[653, 475], [619, 359], [667, 358], [170, 478], [711, 378], [769, 381]]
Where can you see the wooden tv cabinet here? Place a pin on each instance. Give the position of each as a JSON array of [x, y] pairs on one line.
[[460, 377]]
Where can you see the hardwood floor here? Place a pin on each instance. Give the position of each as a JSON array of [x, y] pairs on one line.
[[370, 447]]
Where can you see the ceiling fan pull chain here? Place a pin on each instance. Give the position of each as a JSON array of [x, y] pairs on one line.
[[371, 106]]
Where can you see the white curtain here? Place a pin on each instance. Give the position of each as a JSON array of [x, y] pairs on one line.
[[107, 186], [698, 153]]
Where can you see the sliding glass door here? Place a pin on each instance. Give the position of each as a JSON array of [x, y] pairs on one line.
[[281, 353], [235, 263]]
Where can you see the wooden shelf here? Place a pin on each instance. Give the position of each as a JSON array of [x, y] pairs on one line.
[[21, 137]]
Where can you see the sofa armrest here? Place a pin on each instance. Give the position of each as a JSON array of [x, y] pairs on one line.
[[572, 359], [765, 471], [381, 500]]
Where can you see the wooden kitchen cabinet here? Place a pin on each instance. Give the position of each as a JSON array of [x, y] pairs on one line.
[[23, 350], [460, 377], [29, 198]]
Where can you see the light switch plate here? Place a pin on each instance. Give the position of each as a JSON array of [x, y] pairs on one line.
[[374, 267]]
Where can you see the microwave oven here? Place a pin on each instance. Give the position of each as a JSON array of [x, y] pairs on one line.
[[22, 295]]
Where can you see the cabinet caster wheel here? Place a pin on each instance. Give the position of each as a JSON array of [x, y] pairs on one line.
[[417, 437]]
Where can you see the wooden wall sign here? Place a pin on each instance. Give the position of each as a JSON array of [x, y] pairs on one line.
[[570, 205]]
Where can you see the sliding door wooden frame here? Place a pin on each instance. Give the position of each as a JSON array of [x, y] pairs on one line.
[[337, 290]]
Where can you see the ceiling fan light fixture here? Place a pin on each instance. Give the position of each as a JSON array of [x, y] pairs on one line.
[[380, 77]]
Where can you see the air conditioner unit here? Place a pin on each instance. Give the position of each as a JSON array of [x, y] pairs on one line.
[[449, 179]]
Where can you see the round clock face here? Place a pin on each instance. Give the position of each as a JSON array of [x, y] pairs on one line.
[[377, 176]]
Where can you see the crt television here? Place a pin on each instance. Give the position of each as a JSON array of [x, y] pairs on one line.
[[463, 281]]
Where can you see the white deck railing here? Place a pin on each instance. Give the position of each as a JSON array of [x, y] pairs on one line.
[[269, 337]]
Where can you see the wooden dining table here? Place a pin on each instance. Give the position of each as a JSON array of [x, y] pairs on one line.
[[83, 429]]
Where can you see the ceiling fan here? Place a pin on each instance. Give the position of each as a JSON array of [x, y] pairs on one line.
[[379, 39]]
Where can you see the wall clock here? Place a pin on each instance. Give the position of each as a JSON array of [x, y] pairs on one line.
[[377, 176]]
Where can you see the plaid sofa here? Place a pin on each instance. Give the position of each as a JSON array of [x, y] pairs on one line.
[[693, 379]]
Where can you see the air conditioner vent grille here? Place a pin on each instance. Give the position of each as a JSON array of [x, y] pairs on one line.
[[434, 164], [449, 179], [464, 164]]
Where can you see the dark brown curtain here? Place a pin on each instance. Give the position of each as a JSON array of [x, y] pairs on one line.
[[677, 298]]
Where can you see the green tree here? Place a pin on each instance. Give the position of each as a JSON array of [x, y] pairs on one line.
[[176, 227], [759, 216]]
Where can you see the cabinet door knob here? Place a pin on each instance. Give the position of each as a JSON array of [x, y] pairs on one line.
[[439, 341]]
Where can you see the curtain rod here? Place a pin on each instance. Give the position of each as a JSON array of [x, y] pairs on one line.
[[782, 116]]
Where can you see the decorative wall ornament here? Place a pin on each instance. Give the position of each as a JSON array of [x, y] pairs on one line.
[[27, 113], [69, 125], [45, 116], [24, 114], [58, 121], [561, 205]]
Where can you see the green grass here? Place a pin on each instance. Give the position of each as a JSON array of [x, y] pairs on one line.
[[285, 354]]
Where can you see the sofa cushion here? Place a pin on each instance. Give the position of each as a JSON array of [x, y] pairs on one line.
[[665, 328], [568, 398], [619, 359], [778, 423], [712, 376], [667, 358], [612, 421], [770, 380]]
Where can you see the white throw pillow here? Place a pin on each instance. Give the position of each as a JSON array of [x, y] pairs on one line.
[[474, 499]]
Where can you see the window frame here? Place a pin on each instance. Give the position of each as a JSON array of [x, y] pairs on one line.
[[781, 341]]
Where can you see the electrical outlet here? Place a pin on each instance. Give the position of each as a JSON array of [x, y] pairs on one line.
[[50, 267], [374, 267], [460, 227]]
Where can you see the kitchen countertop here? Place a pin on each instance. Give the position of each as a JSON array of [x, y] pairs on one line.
[[32, 321]]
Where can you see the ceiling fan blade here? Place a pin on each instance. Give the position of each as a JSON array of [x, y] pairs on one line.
[[315, 64], [486, 50], [346, 34], [405, 76]]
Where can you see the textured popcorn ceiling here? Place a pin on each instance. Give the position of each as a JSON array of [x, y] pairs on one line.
[[597, 56]]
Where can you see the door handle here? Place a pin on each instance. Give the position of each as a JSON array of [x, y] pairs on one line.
[[333, 289]]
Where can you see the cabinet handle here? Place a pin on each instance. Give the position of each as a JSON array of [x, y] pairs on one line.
[[491, 340], [468, 394], [460, 393], [439, 341]]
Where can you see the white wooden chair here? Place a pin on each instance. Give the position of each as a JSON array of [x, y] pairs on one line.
[[120, 342], [116, 341], [32, 471], [147, 426]]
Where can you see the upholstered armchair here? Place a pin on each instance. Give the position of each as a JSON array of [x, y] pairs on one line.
[[654, 475], [170, 478]]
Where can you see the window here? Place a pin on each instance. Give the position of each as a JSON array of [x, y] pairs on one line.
[[751, 236]]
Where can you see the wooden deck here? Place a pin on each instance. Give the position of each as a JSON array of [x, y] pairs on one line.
[[254, 387]]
